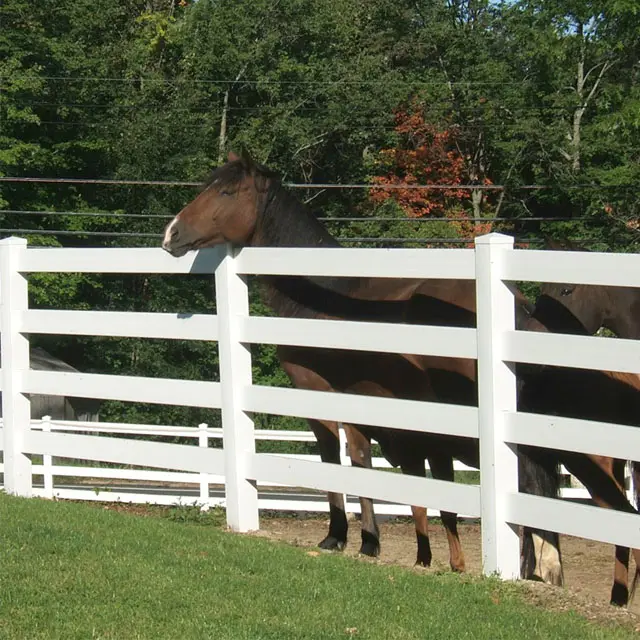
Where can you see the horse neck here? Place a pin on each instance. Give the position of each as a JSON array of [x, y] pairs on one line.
[[624, 303], [285, 222], [556, 317]]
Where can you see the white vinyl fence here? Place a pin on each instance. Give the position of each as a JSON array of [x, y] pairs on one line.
[[79, 480], [494, 343]]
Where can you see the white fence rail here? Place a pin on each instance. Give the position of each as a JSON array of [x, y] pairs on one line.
[[145, 486], [494, 343]]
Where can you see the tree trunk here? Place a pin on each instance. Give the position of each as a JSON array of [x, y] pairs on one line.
[[579, 110], [222, 141]]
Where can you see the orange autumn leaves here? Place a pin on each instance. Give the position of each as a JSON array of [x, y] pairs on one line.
[[426, 156]]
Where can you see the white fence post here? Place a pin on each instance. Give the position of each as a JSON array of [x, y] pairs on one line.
[[631, 491], [47, 462], [232, 300], [16, 408], [345, 460], [497, 395], [203, 441]]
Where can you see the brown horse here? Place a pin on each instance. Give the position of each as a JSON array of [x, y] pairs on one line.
[[586, 308], [245, 204], [583, 309]]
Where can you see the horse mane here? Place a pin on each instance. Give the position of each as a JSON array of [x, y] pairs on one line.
[[286, 222], [231, 174]]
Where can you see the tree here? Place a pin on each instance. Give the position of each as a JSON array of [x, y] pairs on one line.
[[425, 156]]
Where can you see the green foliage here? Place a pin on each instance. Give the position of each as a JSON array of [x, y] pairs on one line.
[[141, 89], [185, 514]]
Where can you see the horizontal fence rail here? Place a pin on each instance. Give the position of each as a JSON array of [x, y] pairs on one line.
[[169, 487], [121, 324], [494, 343], [609, 269], [582, 352], [188, 393], [134, 261], [335, 334], [457, 264]]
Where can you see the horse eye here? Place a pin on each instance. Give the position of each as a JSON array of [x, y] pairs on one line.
[[567, 291]]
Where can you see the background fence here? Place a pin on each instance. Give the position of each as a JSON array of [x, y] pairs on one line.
[[494, 342], [81, 480]]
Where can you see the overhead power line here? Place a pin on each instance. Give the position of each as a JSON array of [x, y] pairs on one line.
[[296, 185], [168, 216], [157, 236], [262, 81]]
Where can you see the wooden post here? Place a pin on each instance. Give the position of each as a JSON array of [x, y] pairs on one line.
[[497, 395], [232, 299], [16, 408]]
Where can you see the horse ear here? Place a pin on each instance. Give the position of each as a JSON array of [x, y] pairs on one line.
[[247, 160], [232, 157]]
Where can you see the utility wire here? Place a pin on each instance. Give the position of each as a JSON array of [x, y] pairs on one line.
[[295, 185], [345, 239], [168, 216], [262, 81]]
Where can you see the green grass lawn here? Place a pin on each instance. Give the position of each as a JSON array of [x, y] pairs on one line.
[[69, 571]]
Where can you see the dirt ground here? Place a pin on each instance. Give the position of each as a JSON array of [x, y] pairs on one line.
[[588, 565]]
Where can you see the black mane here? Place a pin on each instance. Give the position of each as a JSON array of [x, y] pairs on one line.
[[231, 174], [284, 221]]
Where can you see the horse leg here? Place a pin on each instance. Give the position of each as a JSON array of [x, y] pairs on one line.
[[541, 558], [424, 556], [360, 454], [620, 589], [326, 433], [604, 478], [442, 469]]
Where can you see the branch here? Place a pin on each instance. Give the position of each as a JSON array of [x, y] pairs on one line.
[[565, 154], [605, 67], [524, 206], [504, 191], [317, 140], [318, 193]]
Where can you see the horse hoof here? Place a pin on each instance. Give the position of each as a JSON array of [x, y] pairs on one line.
[[423, 559], [619, 595], [330, 543], [370, 549]]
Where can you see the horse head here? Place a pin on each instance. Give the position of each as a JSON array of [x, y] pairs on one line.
[[226, 210]]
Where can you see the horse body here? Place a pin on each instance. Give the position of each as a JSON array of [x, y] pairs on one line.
[[245, 204], [583, 309]]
